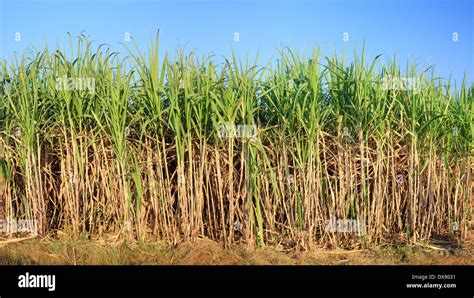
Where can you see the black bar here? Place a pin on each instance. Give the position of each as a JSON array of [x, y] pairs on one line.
[[290, 281]]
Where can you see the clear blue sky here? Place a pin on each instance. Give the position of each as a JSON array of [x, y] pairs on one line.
[[418, 30]]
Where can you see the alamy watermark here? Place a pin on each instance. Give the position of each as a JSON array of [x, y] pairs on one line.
[[345, 226], [401, 83], [28, 280], [9, 226], [229, 130], [236, 36], [76, 83]]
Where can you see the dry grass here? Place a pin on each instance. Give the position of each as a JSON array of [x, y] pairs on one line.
[[207, 252]]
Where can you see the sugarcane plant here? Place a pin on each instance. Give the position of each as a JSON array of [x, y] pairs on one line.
[[93, 142]]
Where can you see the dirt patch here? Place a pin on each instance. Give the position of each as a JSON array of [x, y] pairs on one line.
[[206, 252]]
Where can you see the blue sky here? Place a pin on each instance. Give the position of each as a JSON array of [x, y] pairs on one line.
[[419, 31]]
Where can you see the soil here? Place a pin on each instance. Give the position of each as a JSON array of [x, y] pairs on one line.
[[62, 251]]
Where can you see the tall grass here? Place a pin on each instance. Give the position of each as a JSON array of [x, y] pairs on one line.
[[142, 154]]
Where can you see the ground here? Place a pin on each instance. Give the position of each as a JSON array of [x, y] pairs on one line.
[[57, 251]]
